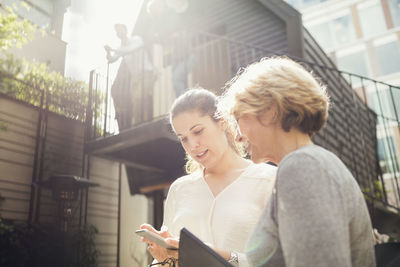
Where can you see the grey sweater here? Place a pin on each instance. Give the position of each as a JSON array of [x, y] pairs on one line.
[[316, 216]]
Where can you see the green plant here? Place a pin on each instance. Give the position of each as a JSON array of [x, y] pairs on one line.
[[87, 253], [14, 31], [3, 127], [27, 81], [39, 245], [374, 193]]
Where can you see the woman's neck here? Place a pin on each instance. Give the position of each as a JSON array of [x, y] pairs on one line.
[[291, 141], [230, 161]]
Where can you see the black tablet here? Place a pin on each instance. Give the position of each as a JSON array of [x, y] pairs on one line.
[[194, 253]]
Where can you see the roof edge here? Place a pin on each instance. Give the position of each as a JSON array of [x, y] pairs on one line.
[[294, 24]]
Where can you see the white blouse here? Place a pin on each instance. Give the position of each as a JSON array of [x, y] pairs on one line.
[[227, 220]]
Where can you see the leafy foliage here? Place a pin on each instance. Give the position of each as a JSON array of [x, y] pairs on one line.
[[14, 31], [3, 127], [41, 245], [28, 81], [87, 253]]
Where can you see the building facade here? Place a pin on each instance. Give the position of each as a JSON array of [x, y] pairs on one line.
[[48, 16], [363, 37]]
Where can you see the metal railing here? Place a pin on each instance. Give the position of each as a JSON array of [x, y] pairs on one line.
[[210, 61]]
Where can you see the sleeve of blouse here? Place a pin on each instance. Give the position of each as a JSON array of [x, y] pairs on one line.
[[269, 172], [271, 176], [169, 208]]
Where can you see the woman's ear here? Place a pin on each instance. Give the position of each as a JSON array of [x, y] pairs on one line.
[[268, 116], [222, 124]]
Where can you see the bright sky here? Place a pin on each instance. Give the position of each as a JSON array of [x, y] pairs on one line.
[[88, 26]]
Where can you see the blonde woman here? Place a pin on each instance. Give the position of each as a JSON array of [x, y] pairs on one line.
[[317, 215], [223, 195]]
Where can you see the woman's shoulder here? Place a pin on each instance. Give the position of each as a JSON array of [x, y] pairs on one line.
[[260, 171], [312, 155], [186, 180]]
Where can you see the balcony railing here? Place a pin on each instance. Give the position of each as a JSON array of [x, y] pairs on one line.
[[210, 61]]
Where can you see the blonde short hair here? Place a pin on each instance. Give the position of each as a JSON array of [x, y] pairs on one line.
[[300, 100]]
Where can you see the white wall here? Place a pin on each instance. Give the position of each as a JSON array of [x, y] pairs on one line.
[[134, 211]]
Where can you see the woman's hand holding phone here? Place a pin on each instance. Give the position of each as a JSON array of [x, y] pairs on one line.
[[158, 252]]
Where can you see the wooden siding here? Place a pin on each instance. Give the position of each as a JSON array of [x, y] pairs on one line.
[[247, 22], [350, 132], [63, 155], [17, 146]]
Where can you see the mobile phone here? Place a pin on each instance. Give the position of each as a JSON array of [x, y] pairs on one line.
[[159, 240]]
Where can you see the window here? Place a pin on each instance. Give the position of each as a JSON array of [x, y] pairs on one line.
[[322, 33], [371, 18], [45, 5], [394, 6], [34, 11], [387, 52], [337, 31], [385, 102], [385, 146], [353, 61], [344, 30], [387, 154], [294, 3], [299, 4]]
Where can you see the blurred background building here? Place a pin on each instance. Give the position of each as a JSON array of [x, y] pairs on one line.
[[48, 15], [363, 37]]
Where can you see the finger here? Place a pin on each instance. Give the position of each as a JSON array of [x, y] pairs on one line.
[[173, 253], [149, 227], [145, 240], [173, 242], [164, 232]]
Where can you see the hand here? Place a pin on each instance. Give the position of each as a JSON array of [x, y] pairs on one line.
[[158, 252], [173, 242], [223, 253]]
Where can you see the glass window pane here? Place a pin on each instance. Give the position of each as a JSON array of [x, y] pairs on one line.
[[46, 5], [384, 104], [372, 20], [354, 63], [322, 34], [294, 3], [388, 56], [344, 30], [395, 11], [32, 14], [308, 3], [386, 149]]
